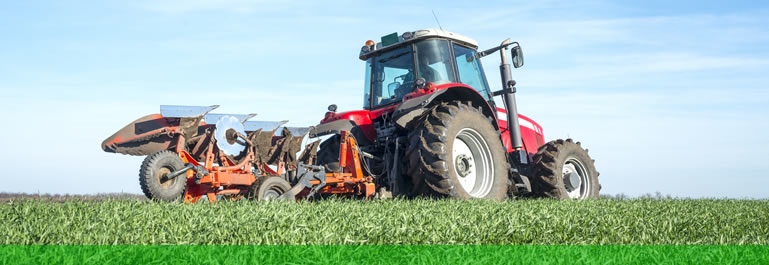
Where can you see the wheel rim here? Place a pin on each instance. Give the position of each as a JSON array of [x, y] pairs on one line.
[[273, 193], [575, 179], [472, 162], [161, 174]]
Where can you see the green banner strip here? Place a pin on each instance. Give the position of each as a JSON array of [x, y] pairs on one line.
[[383, 254]]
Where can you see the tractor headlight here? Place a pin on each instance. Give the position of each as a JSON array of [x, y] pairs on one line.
[[420, 83]]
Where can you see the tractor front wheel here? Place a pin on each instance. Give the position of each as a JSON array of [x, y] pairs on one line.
[[457, 152], [153, 176], [562, 169]]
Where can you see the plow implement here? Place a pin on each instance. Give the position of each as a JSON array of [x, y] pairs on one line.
[[193, 153]]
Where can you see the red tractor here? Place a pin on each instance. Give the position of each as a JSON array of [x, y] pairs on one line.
[[429, 127]]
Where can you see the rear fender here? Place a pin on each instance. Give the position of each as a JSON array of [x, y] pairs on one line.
[[337, 126], [409, 110]]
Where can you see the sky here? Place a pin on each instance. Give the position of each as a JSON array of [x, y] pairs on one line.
[[669, 96]]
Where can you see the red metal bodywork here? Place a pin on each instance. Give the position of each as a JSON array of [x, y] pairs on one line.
[[531, 132], [361, 117]]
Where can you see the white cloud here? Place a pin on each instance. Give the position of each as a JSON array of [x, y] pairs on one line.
[[634, 52]]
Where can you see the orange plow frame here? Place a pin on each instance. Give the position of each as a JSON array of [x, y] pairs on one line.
[[235, 179], [351, 180]]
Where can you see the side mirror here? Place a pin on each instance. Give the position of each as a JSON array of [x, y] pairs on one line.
[[332, 108], [517, 56]]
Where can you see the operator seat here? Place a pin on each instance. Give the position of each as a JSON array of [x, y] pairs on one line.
[[429, 74], [425, 71]]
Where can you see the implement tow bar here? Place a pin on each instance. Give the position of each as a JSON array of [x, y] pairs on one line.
[[200, 171]]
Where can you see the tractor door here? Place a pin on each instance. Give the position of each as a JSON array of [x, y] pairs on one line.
[[470, 71]]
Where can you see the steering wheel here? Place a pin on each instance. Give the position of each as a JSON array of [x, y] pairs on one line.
[[404, 89]]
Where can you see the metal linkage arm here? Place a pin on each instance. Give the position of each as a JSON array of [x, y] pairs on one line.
[[311, 177]]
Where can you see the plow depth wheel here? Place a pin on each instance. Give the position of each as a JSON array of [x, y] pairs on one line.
[[268, 188], [153, 176]]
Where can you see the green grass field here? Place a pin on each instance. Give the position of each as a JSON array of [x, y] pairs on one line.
[[605, 222]]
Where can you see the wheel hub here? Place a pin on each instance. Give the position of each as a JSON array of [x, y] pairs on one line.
[[271, 195], [575, 179], [463, 164], [162, 174], [472, 163], [571, 180]]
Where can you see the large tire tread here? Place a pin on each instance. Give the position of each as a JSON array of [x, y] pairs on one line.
[[546, 177], [150, 186], [428, 153]]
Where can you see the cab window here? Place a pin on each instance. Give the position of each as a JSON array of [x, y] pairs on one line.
[[393, 75], [367, 86], [470, 71], [434, 61]]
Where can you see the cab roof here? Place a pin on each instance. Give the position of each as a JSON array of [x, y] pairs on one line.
[[411, 36]]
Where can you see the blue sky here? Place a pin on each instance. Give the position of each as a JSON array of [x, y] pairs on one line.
[[670, 96]]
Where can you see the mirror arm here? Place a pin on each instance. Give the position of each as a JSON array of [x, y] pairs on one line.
[[495, 49]]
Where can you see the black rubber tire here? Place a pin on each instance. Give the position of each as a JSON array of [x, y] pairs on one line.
[[547, 175], [154, 168], [328, 154], [431, 143], [266, 187]]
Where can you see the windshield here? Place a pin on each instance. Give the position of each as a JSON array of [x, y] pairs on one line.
[[393, 73], [435, 61]]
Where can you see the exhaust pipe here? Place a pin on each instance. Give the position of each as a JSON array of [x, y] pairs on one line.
[[508, 97]]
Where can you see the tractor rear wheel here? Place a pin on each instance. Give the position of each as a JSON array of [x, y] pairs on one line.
[[268, 188], [152, 176], [563, 169], [455, 151]]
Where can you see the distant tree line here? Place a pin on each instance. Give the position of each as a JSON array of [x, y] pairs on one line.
[[647, 196], [7, 196]]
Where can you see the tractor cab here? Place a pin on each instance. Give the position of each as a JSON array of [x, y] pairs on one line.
[[394, 65]]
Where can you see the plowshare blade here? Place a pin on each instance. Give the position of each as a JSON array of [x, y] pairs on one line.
[[176, 111], [212, 118]]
